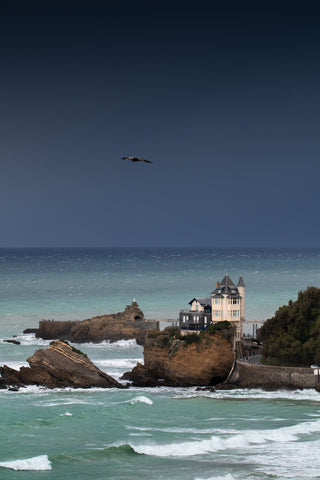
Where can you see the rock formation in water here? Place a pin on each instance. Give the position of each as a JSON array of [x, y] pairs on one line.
[[126, 325], [59, 365], [173, 360]]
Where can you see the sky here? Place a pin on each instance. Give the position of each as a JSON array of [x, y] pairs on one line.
[[222, 96]]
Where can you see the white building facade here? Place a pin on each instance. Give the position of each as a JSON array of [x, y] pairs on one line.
[[227, 302]]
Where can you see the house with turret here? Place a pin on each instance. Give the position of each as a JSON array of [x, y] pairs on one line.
[[227, 302]]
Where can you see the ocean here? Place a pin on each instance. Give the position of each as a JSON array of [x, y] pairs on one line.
[[149, 433]]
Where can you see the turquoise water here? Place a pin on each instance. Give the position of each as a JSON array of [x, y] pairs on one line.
[[163, 433]]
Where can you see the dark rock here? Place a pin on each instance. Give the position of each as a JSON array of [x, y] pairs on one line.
[[58, 366], [15, 342], [30, 330], [140, 376], [205, 389], [129, 324]]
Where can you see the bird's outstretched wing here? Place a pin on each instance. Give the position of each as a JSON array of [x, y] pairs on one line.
[[136, 159]]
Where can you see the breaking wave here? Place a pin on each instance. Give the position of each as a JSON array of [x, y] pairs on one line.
[[245, 394], [220, 477], [238, 441], [137, 399], [119, 362], [39, 463], [112, 345], [141, 399], [30, 339]]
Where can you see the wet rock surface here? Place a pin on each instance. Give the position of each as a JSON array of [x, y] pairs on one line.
[[58, 366]]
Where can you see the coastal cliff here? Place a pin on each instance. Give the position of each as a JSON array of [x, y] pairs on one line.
[[129, 324], [173, 360], [59, 365]]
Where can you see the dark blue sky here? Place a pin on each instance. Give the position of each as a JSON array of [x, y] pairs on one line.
[[223, 97]]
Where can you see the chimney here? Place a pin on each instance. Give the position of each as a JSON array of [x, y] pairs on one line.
[[217, 285]]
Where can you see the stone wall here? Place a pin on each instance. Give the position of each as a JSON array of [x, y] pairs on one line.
[[246, 375]]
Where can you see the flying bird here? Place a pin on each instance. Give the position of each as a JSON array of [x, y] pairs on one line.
[[136, 159]]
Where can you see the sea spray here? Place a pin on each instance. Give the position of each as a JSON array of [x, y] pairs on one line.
[[39, 463]]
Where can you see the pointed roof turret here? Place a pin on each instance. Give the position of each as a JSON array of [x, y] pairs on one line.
[[226, 287], [227, 282], [241, 282]]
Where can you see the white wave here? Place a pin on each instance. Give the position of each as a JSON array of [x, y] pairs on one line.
[[138, 399], [183, 430], [14, 364], [297, 460], [67, 414], [116, 374], [238, 441], [60, 403], [119, 362], [141, 399], [228, 476], [245, 394], [112, 345], [39, 463], [30, 339]]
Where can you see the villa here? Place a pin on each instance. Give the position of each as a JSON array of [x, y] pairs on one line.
[[227, 302]]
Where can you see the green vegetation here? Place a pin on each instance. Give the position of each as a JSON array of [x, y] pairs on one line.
[[75, 350], [191, 338], [172, 335], [172, 332], [219, 327], [292, 336], [154, 333], [165, 341]]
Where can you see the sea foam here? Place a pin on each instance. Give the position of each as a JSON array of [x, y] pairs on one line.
[[228, 476], [39, 463], [113, 345], [141, 399], [238, 441]]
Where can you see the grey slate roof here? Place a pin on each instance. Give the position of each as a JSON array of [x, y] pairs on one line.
[[202, 301], [226, 287]]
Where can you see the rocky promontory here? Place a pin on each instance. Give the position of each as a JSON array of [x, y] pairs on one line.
[[126, 325], [182, 361], [58, 366]]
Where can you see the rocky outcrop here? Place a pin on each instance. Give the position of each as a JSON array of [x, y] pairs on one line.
[[172, 360], [59, 365], [129, 324]]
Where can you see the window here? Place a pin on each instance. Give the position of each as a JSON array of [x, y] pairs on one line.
[[217, 301], [205, 319], [233, 301]]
